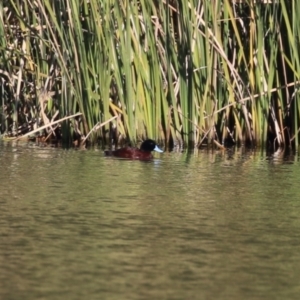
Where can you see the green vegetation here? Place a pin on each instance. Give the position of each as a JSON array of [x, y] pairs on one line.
[[195, 72]]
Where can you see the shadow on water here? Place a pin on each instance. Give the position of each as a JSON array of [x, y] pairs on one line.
[[200, 225]]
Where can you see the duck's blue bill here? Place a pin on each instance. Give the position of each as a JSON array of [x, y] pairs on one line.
[[158, 150]]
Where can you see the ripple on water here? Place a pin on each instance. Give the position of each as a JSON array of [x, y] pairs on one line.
[[77, 225]]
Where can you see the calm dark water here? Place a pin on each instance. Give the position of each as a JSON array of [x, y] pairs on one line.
[[78, 225]]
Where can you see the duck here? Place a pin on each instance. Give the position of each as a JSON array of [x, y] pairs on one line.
[[144, 153]]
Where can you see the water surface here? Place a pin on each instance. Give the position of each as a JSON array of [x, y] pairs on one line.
[[78, 225]]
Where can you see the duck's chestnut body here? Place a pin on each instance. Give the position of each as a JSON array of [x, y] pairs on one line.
[[144, 153]]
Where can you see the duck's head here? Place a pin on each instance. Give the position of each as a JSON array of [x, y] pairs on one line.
[[150, 145]]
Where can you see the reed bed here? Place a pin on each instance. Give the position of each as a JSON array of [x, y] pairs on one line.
[[192, 72]]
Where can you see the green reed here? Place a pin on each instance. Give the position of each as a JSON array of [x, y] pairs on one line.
[[193, 72]]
